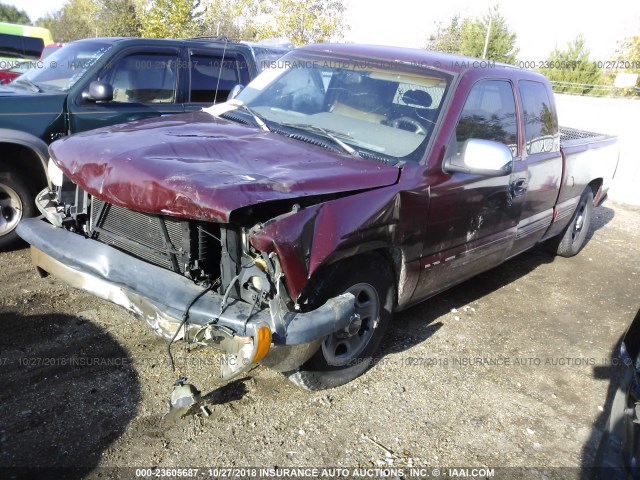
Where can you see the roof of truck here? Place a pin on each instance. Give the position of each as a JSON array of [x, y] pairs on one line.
[[219, 41], [418, 57]]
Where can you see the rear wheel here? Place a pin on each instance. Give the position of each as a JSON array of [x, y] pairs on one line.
[[16, 202], [346, 354], [571, 240]]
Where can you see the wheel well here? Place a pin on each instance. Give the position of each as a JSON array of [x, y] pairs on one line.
[[24, 160], [595, 186], [393, 257]]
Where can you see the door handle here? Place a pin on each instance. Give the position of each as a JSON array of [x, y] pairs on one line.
[[519, 187]]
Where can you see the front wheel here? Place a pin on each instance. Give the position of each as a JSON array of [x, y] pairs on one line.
[[16, 203], [346, 354], [571, 240]]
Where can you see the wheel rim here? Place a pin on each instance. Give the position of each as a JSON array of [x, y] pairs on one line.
[[10, 209], [342, 347], [579, 223]]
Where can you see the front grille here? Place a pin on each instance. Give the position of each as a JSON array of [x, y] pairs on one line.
[[163, 241]]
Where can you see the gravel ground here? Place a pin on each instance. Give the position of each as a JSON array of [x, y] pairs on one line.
[[510, 369]]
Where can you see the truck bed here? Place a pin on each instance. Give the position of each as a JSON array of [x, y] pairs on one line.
[[572, 136], [588, 156]]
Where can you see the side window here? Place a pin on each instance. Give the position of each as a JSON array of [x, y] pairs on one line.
[[32, 47], [355, 95], [540, 121], [144, 78], [489, 114], [416, 95], [209, 73], [300, 90]]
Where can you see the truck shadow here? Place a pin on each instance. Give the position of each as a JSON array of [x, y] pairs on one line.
[[416, 324], [602, 216], [68, 391]]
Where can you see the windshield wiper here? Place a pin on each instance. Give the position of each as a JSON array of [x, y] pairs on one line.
[[257, 117], [332, 135], [28, 83]]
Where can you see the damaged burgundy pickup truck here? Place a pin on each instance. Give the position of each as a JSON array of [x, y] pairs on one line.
[[347, 182]]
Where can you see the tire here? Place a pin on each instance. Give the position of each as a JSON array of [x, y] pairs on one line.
[[571, 240], [16, 202], [345, 355]]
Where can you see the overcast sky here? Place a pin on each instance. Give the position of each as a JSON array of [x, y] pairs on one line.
[[540, 24]]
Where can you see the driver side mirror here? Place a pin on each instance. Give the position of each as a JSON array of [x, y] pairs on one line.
[[235, 91], [98, 92], [481, 157]]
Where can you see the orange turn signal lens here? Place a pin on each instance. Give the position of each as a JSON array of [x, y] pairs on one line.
[[264, 343]]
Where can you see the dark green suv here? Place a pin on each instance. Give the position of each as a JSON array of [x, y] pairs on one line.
[[103, 81]]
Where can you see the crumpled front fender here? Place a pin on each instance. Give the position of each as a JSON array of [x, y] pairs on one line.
[[320, 234]]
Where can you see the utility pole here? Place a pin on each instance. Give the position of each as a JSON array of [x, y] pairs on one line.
[[486, 39]]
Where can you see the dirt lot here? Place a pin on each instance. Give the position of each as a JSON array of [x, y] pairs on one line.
[[512, 368]]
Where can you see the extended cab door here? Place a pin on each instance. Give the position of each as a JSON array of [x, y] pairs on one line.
[[543, 162], [145, 82], [472, 218], [212, 75]]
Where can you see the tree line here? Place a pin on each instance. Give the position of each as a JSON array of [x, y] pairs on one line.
[[299, 21], [571, 68]]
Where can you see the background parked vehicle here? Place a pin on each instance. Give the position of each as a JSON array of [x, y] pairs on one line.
[[347, 183], [22, 42], [50, 48], [9, 75], [19, 68], [96, 82]]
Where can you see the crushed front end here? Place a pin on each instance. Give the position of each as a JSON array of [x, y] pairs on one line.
[[198, 281]]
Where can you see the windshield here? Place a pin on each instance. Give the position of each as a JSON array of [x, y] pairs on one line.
[[381, 108], [63, 68]]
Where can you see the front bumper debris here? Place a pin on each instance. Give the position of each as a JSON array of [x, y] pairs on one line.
[[161, 298]]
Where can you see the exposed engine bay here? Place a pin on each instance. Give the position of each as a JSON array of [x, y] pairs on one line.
[[212, 255], [192, 280]]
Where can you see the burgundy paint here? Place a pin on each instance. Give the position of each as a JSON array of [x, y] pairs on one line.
[[364, 222], [289, 232], [200, 167], [196, 166]]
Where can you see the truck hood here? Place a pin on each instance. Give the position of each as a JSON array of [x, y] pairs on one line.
[[22, 91], [202, 167], [14, 101]]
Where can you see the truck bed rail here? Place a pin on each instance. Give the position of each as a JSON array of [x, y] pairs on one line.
[[573, 136]]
